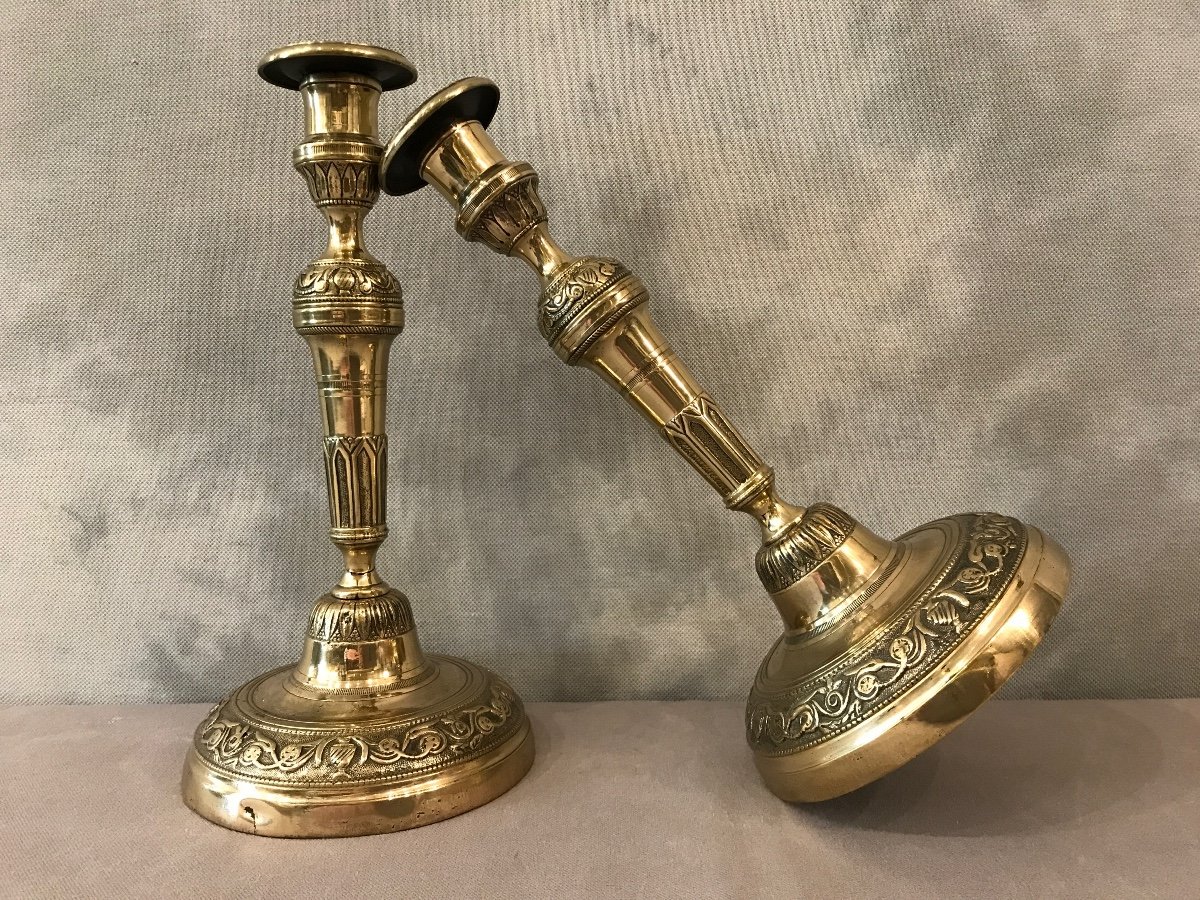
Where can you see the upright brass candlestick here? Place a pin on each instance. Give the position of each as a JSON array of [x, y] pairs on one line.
[[888, 645], [366, 733]]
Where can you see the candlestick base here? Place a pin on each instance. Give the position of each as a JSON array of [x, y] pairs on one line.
[[279, 759], [950, 611]]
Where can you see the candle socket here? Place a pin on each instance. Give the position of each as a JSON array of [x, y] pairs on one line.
[[887, 645], [366, 733]]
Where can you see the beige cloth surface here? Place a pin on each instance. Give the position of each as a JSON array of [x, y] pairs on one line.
[[1029, 799]]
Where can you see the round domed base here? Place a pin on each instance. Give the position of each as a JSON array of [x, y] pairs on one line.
[[278, 760], [956, 609]]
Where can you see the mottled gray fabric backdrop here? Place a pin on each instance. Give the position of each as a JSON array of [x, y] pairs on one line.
[[933, 256]]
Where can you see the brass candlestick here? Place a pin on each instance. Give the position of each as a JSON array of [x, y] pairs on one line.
[[366, 733], [888, 645]]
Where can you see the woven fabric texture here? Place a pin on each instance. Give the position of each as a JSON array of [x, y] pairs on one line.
[[931, 257], [1087, 800]]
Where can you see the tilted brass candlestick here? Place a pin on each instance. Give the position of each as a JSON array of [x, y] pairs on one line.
[[366, 733], [888, 645]]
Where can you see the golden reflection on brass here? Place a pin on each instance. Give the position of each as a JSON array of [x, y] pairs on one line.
[[887, 645], [366, 733]]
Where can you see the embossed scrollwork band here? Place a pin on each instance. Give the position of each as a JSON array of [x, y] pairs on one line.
[[285, 756]]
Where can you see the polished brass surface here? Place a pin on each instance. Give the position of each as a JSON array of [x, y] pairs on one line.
[[887, 645], [366, 733]]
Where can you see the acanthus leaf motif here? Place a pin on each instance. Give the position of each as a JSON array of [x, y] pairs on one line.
[[323, 279]]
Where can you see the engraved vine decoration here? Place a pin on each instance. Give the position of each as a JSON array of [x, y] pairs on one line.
[[830, 703], [571, 292], [226, 741]]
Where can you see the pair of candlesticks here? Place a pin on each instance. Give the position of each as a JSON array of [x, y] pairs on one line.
[[887, 645]]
